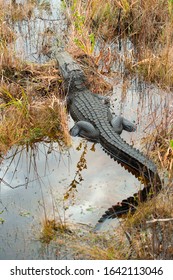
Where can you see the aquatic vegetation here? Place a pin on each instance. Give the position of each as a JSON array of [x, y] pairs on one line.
[[51, 229], [1, 219], [78, 176]]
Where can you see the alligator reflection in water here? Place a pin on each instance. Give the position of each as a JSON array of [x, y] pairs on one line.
[[46, 177]]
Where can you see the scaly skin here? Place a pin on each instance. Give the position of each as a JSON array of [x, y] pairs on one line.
[[83, 105]]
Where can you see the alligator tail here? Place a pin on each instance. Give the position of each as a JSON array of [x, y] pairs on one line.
[[152, 185], [130, 204], [141, 171]]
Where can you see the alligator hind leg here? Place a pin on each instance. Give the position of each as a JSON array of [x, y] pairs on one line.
[[128, 126], [86, 130], [119, 124]]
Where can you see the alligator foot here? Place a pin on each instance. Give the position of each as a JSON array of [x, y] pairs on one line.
[[86, 130], [119, 124]]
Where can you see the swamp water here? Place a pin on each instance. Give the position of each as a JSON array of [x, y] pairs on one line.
[[34, 181]]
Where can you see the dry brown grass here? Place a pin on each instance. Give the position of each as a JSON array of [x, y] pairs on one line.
[[78, 242], [51, 229], [161, 150], [25, 124], [148, 25], [145, 235], [150, 228], [19, 11], [31, 106]]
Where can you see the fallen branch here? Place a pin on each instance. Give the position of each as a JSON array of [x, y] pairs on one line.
[[159, 220]]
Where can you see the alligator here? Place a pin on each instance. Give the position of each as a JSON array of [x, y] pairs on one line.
[[95, 122]]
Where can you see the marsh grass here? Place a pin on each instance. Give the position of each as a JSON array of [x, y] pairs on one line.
[[26, 124], [32, 109], [31, 106], [151, 226], [24, 11], [101, 246], [148, 25], [79, 242], [161, 149], [31, 103], [51, 229]]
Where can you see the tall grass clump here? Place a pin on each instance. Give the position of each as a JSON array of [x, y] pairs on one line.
[[147, 24], [24, 122], [31, 107], [81, 35]]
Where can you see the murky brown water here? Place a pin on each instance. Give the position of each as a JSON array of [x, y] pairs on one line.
[[33, 183]]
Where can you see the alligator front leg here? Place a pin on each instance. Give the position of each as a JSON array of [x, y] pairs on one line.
[[119, 124], [86, 130]]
